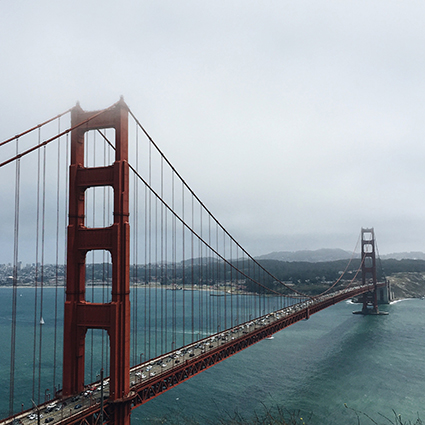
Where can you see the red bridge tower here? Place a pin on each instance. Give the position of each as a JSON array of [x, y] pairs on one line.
[[370, 299], [81, 315]]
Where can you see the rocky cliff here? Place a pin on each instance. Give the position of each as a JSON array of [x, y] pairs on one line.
[[407, 285]]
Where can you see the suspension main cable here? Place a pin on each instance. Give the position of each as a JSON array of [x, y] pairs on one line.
[[349, 283], [379, 258], [345, 270], [46, 142], [184, 185], [185, 225], [34, 128], [357, 272], [208, 211]]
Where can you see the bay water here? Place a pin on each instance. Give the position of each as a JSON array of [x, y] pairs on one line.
[[327, 368]]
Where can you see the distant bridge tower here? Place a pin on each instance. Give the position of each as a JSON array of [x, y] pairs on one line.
[[370, 299], [81, 315], [381, 295]]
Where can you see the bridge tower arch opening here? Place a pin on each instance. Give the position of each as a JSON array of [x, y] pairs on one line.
[[80, 314]]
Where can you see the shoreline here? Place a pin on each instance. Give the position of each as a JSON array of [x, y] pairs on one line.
[[220, 292]]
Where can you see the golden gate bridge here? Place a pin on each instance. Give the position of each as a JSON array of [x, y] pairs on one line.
[[155, 290]]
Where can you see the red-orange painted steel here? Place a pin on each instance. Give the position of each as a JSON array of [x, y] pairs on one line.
[[81, 315], [369, 268]]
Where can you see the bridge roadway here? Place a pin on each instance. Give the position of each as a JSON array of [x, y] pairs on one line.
[[153, 377]]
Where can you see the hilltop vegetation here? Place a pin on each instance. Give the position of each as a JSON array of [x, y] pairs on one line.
[[406, 276]]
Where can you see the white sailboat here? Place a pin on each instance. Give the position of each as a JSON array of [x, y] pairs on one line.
[[41, 321]]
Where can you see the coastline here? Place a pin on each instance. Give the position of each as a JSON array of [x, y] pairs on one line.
[[220, 292], [404, 286]]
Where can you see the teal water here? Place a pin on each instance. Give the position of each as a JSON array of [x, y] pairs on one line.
[[373, 364]]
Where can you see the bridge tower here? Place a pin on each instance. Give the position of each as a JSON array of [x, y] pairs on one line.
[[81, 315], [370, 299]]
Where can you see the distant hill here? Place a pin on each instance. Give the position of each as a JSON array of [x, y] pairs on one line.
[[404, 256], [317, 256], [322, 255]]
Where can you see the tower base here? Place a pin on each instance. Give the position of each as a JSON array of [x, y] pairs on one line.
[[371, 312]]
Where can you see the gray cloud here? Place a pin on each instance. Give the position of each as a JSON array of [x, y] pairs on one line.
[[296, 122]]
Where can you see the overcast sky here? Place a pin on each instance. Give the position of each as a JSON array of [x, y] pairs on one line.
[[295, 122]]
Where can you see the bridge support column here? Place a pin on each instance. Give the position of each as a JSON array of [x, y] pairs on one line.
[[81, 315], [369, 299]]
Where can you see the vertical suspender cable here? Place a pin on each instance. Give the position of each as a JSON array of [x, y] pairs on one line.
[[43, 232], [136, 252], [86, 223], [93, 258], [231, 285], [251, 303], [192, 254], [210, 277], [259, 291], [66, 215], [262, 290], [225, 282], [237, 288], [36, 273], [216, 325], [161, 274], [256, 299], [110, 202], [135, 242], [156, 331], [146, 276], [149, 253], [104, 257], [57, 262], [184, 267], [15, 283], [133, 268], [174, 262], [43, 221], [67, 161], [165, 261], [200, 279]]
